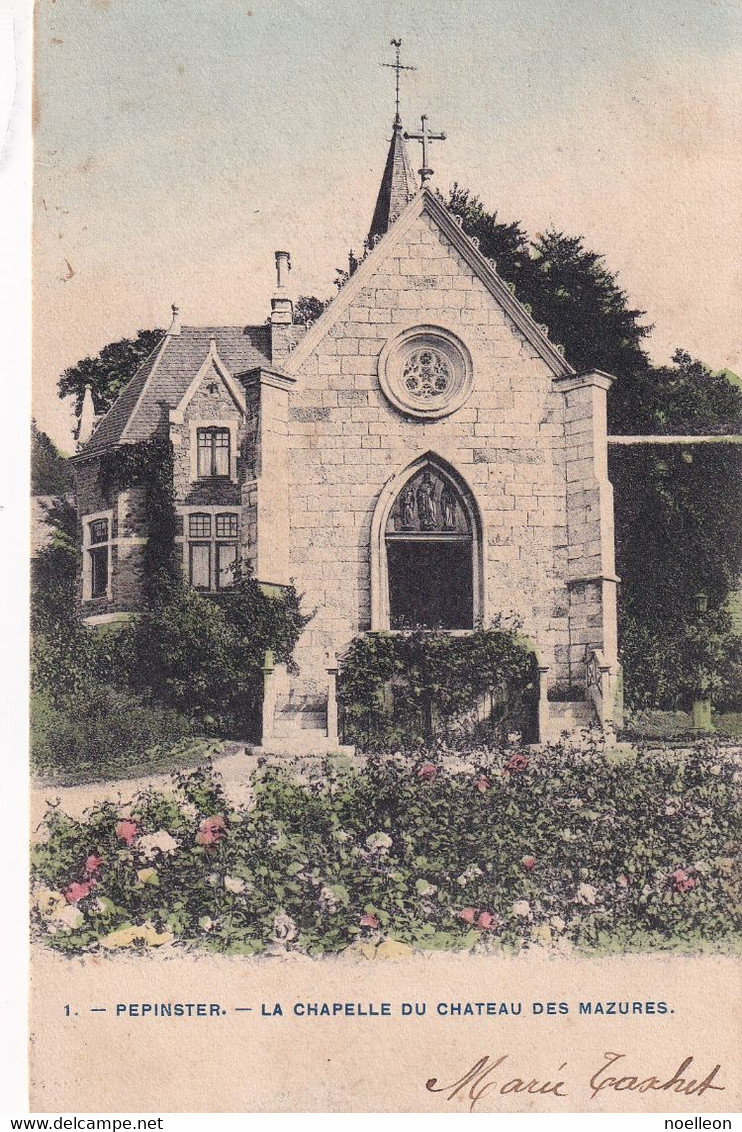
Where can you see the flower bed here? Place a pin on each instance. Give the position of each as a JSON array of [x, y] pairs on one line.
[[506, 849]]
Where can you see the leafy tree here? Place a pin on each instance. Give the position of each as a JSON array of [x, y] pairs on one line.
[[507, 244], [109, 371], [687, 398], [308, 308], [50, 473]]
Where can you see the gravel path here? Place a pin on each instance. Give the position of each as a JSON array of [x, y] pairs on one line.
[[235, 767]]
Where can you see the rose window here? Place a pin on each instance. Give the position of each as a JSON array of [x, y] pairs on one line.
[[426, 374]]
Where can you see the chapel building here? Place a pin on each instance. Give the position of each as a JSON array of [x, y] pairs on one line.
[[421, 455]]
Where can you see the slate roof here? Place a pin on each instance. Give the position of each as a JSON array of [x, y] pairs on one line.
[[162, 380], [398, 185]]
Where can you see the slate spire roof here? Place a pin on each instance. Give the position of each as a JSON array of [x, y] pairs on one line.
[[398, 185]]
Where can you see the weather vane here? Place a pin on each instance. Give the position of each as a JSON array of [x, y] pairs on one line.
[[424, 137], [397, 66]]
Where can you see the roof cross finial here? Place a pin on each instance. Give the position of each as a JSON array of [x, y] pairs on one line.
[[397, 66], [425, 137]]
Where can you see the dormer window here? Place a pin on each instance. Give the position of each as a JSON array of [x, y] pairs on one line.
[[213, 452]]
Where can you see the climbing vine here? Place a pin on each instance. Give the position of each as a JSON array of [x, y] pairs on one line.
[[148, 466], [406, 687]]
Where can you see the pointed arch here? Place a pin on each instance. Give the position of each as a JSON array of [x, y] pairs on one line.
[[388, 498]]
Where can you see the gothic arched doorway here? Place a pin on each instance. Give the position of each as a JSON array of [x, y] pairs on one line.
[[429, 543]]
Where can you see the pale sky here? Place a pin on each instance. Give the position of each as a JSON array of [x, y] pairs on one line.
[[180, 142]]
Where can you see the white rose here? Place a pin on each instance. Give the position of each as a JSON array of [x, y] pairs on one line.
[[284, 928], [327, 900], [235, 885], [153, 843], [69, 917]]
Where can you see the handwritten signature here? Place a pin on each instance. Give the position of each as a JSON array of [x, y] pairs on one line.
[[483, 1078]]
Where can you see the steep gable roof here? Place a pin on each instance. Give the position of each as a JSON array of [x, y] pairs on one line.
[[482, 268], [142, 407]]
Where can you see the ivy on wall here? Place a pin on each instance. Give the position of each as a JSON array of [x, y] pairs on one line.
[[412, 686], [148, 465]]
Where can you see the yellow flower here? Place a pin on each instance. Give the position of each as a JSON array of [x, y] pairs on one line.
[[542, 934], [48, 902], [393, 949], [136, 935], [148, 876]]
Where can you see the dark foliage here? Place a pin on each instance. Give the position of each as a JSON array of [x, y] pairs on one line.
[[308, 308], [148, 466], [109, 371], [50, 471]]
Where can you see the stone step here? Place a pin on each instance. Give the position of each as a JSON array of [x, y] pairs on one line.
[[569, 715], [289, 722]]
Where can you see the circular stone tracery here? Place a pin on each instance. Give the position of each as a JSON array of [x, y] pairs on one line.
[[425, 372]]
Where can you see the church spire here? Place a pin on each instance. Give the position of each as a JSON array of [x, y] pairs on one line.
[[398, 182]]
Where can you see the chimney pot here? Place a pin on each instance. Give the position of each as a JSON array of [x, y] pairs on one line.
[[282, 308]]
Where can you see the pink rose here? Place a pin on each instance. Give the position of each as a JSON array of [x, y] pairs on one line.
[[127, 830], [516, 764], [78, 890], [368, 920], [427, 772], [528, 863], [486, 922], [482, 784], [468, 915], [93, 864], [211, 831], [682, 882], [622, 881]]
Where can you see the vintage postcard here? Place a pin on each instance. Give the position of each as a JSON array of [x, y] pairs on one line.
[[386, 609]]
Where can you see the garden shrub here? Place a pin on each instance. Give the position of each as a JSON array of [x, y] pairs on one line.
[[101, 731], [193, 660], [406, 687], [670, 663], [203, 656], [564, 847]]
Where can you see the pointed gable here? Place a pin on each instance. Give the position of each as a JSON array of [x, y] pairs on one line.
[[481, 269], [398, 186], [143, 406]]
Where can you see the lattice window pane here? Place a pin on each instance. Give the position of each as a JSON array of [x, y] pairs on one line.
[[99, 531], [221, 452], [226, 525], [200, 565], [204, 452], [213, 451], [226, 557], [199, 526]]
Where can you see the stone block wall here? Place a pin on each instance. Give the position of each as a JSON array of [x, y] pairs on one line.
[[507, 442], [127, 535]]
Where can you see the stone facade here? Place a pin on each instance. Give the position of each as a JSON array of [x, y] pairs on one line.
[[528, 446], [321, 446]]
